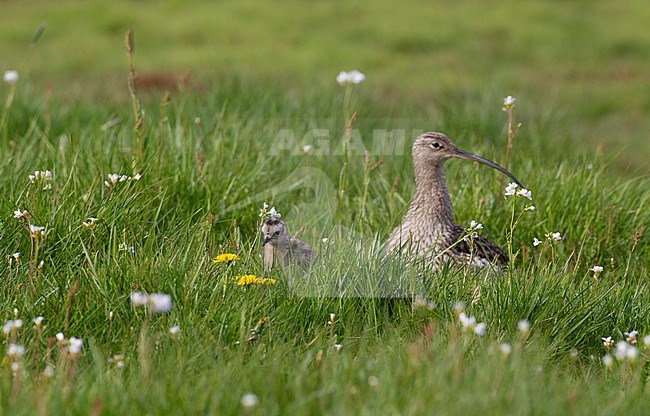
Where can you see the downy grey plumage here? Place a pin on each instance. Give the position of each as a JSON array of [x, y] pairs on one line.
[[280, 248]]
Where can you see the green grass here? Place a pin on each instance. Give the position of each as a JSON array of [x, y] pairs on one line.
[[183, 212], [203, 183], [587, 61]]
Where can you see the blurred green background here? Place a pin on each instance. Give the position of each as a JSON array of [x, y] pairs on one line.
[[585, 64]]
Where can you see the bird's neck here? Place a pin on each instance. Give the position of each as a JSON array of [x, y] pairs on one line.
[[431, 199]]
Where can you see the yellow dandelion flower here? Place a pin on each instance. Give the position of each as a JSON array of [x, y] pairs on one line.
[[225, 258], [247, 279], [251, 279]]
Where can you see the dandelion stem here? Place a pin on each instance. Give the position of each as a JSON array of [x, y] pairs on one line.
[[346, 101], [637, 238], [137, 110], [509, 109], [343, 173], [8, 103]]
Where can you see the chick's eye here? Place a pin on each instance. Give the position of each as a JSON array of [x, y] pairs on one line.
[[277, 232], [435, 145]]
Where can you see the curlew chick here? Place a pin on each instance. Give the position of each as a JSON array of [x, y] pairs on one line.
[[428, 228], [280, 248]]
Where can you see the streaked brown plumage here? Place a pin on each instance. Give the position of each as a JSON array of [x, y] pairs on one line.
[[428, 228], [280, 248]]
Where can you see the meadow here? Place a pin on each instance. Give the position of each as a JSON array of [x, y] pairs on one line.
[[147, 186]]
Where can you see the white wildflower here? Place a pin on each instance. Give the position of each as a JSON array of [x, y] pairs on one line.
[[475, 225], [274, 214], [608, 342], [529, 208], [631, 336], [458, 306], [307, 148], [553, 236], [509, 102], [525, 193], [646, 341], [126, 247], [36, 230], [175, 330], [113, 178], [467, 322], [632, 353], [625, 351], [342, 77], [16, 256], [60, 337], [42, 176], [74, 345], [352, 77], [137, 176], [421, 302], [597, 270], [249, 400], [511, 189], [356, 77], [156, 302], [38, 320], [607, 360], [266, 213], [15, 351], [505, 348], [338, 347], [138, 299], [523, 326], [11, 76], [117, 359], [536, 242], [472, 230], [19, 214], [7, 327]]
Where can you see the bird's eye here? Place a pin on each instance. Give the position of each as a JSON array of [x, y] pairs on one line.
[[435, 145], [277, 232]]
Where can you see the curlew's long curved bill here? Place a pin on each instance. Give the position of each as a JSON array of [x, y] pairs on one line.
[[461, 154]]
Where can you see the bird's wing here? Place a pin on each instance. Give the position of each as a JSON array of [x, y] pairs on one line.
[[480, 247], [301, 251]]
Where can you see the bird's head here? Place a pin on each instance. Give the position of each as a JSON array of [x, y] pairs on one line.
[[434, 148], [272, 229]]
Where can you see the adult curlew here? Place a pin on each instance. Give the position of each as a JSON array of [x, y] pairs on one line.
[[280, 248], [428, 229]]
